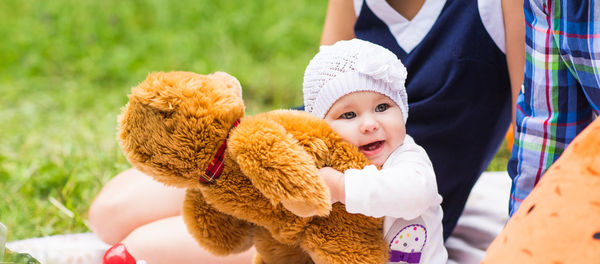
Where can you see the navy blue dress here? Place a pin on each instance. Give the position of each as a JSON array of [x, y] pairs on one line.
[[458, 92]]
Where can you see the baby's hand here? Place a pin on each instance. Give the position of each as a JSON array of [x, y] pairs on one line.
[[335, 181]]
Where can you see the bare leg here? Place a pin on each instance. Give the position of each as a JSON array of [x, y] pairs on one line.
[[144, 215], [129, 200], [168, 241]]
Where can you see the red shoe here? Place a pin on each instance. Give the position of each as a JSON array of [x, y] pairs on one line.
[[118, 254]]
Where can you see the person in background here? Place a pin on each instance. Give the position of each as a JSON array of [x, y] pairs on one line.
[[561, 92]]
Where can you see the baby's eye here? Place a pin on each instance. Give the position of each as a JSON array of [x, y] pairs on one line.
[[382, 107], [348, 115]]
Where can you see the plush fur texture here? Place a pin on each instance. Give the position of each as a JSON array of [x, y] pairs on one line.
[[269, 194], [559, 222]]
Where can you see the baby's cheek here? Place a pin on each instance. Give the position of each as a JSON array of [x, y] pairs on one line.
[[401, 135]]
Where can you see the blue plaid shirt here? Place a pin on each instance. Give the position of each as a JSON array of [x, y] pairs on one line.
[[561, 91]]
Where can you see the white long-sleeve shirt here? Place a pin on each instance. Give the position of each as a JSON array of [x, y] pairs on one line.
[[405, 192]]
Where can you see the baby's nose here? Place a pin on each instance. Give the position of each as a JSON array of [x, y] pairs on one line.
[[369, 125]]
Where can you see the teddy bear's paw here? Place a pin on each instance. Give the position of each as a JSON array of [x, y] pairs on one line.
[[273, 251], [219, 233], [306, 208]]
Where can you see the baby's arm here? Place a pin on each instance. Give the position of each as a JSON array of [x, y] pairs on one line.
[[404, 188]]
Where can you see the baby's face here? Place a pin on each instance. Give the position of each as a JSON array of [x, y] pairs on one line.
[[371, 121]]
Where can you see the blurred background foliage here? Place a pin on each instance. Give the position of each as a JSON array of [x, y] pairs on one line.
[[66, 67]]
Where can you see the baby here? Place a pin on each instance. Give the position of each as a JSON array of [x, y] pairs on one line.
[[358, 88]]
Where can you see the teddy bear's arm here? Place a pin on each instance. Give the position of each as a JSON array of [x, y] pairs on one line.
[[320, 140], [279, 167]]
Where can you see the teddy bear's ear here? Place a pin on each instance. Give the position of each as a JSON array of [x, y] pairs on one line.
[[230, 81], [164, 91]]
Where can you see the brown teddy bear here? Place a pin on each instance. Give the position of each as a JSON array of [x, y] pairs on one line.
[[250, 180]]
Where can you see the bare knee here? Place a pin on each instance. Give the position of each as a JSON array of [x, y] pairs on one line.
[[104, 219], [108, 214], [130, 200]]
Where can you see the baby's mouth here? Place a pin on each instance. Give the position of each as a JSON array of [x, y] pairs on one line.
[[371, 146]]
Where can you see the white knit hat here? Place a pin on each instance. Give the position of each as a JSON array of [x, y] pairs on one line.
[[351, 66]]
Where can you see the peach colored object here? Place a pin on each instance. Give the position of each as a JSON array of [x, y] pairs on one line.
[[509, 138], [559, 222]]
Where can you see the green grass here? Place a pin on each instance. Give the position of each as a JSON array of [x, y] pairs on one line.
[[500, 160], [66, 67]]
